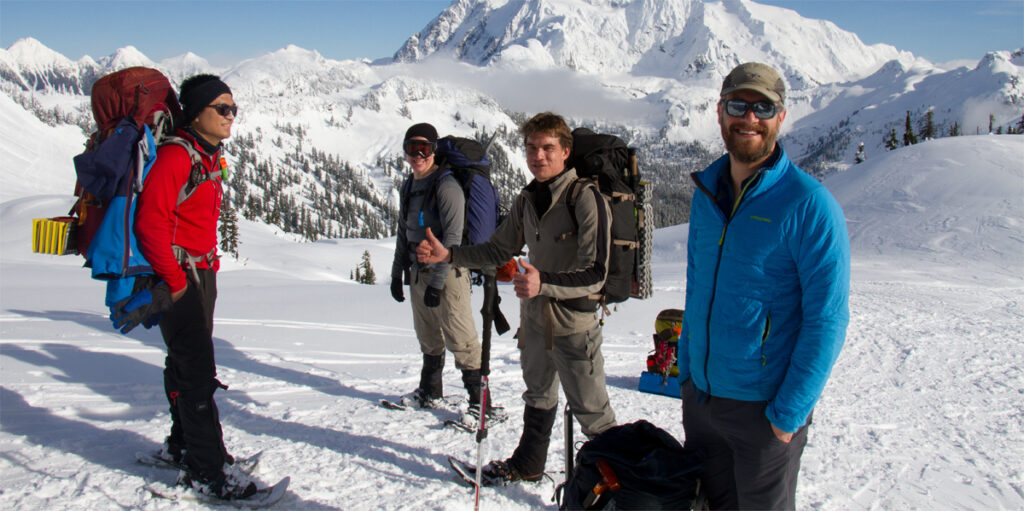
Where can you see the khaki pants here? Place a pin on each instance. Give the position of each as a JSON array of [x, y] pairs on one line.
[[577, 361], [449, 325]]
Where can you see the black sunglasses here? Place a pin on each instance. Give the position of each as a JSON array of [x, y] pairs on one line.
[[421, 148], [224, 109], [761, 109]]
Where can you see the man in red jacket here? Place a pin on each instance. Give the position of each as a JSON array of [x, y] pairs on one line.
[[176, 226]]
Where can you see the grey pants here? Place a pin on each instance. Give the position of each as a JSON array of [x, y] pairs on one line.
[[449, 325], [747, 467], [577, 361]]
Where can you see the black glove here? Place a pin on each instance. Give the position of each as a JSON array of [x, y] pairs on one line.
[[432, 297], [144, 307], [396, 288]]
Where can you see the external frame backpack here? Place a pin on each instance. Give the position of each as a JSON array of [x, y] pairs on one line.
[[634, 466], [611, 165]]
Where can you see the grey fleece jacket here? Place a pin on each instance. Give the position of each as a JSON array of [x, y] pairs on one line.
[[573, 261], [447, 223]]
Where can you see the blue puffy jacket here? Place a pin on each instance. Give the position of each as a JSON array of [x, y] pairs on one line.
[[767, 291]]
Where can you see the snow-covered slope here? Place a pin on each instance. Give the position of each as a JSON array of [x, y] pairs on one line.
[[956, 202], [922, 411], [36, 158]]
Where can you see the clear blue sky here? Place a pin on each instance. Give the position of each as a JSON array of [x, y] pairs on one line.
[[225, 32]]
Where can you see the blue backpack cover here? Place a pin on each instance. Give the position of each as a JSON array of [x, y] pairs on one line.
[[114, 172]]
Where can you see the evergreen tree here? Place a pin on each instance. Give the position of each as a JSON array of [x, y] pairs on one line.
[[228, 228], [954, 131], [909, 138], [364, 272], [991, 121], [1020, 125], [860, 157], [891, 142], [929, 126]]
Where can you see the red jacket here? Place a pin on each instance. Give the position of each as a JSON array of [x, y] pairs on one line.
[[161, 223]]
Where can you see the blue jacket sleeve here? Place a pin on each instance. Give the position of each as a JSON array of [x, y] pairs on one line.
[[820, 247]]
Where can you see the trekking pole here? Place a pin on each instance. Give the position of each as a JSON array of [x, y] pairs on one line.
[[568, 443], [487, 312]]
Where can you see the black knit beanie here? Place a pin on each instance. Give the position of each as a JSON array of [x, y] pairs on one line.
[[422, 130], [197, 92]]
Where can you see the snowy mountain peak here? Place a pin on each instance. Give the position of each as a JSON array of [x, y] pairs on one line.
[[128, 56], [29, 52], [184, 65], [680, 39]]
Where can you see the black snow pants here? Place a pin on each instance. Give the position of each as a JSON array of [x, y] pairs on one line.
[[190, 377], [747, 467]]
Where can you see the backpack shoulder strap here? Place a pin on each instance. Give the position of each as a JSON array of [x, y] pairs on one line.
[[430, 200], [197, 174], [572, 195], [403, 204]]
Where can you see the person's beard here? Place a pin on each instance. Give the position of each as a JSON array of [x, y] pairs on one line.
[[749, 151]]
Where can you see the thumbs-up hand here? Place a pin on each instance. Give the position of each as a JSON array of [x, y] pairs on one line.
[[527, 283], [431, 250]]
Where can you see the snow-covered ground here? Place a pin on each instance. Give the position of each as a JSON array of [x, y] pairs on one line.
[[924, 409]]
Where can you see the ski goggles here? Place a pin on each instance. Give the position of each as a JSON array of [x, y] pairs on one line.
[[224, 109], [761, 109], [421, 148]]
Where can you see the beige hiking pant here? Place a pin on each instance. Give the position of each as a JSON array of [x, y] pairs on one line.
[[449, 325], [577, 361]]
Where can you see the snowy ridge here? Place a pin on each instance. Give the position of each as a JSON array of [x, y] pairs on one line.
[[680, 39], [648, 70]]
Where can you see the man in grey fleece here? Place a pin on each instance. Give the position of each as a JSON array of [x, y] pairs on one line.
[[559, 332], [441, 309]]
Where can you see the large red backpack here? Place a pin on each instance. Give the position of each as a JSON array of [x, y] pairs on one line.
[[132, 97]]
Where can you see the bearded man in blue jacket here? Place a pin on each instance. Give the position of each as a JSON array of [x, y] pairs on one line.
[[767, 292]]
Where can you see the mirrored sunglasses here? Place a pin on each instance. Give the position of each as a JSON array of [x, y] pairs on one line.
[[420, 148], [224, 109], [761, 109]]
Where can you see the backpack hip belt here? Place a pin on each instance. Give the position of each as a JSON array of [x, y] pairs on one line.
[[190, 261]]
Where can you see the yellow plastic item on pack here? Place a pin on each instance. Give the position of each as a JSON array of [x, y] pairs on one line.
[[51, 235], [669, 319]]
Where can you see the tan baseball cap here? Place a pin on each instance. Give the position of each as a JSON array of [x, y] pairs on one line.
[[756, 77]]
